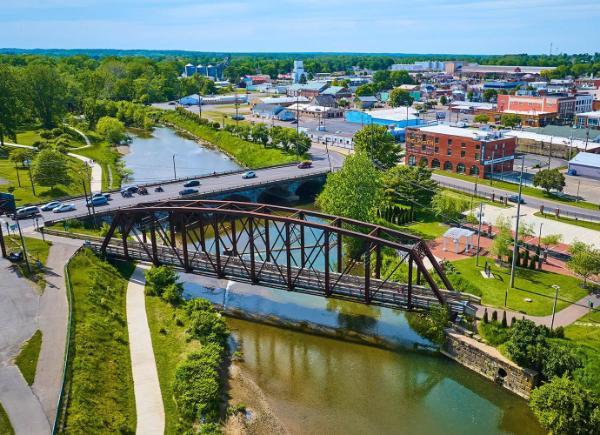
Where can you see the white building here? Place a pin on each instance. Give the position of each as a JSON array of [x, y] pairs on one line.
[[583, 103], [298, 71]]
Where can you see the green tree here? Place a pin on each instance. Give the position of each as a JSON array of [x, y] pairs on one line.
[[302, 79], [377, 142], [528, 344], [260, 133], [409, 185], [565, 407], [549, 179], [503, 240], [163, 281], [400, 97], [551, 240], [50, 168], [299, 142], [585, 260], [443, 100], [482, 118], [510, 119], [21, 155], [12, 108], [449, 207], [353, 191], [46, 89], [559, 360], [489, 94], [111, 129]]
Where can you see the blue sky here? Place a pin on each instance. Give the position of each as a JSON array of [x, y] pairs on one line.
[[400, 26]]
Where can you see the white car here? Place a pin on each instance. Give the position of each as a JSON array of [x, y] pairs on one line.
[[63, 208]]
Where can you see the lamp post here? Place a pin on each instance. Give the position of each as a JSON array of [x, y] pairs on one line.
[[556, 288], [516, 244], [174, 168]]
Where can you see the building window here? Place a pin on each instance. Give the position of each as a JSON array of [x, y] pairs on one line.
[[474, 170], [437, 149], [477, 146], [449, 141], [463, 145], [462, 153], [476, 156], [412, 161], [460, 168], [449, 152], [424, 162], [423, 147], [423, 137], [435, 164], [437, 140], [447, 166]]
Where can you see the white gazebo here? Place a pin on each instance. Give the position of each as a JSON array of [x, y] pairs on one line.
[[455, 234]]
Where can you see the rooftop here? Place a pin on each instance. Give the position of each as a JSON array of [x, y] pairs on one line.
[[397, 114], [595, 114], [481, 135], [587, 159]]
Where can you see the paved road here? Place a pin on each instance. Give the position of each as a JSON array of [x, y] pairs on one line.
[[530, 200], [209, 184]]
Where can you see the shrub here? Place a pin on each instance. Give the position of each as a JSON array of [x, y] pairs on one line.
[[432, 324], [528, 343], [159, 278], [559, 360], [494, 334], [504, 324], [205, 324], [485, 316], [494, 316]]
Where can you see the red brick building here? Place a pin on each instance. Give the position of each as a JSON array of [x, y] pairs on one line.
[[460, 150]]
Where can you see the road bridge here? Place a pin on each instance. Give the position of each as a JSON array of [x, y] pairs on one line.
[[286, 248]]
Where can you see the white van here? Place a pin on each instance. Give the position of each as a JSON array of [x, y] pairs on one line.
[[27, 212]]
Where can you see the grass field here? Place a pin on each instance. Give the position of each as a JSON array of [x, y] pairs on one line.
[[5, 426], [585, 332], [101, 398], [108, 157], [570, 221], [10, 176], [532, 284], [29, 137], [249, 154], [170, 347], [527, 190], [28, 357]]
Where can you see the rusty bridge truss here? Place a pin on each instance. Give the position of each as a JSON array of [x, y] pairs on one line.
[[281, 247]]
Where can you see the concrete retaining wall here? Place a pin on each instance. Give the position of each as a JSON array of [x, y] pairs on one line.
[[488, 362]]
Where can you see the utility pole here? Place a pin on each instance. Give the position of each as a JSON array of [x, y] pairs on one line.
[[174, 169], [540, 236], [577, 195], [479, 232], [556, 288], [31, 179], [23, 245], [492, 169], [516, 244], [200, 106], [297, 112], [17, 171]]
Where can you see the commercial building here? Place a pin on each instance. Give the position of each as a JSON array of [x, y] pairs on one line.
[[537, 110], [192, 100], [585, 165], [399, 117], [588, 120], [476, 70], [309, 90], [460, 150], [281, 101], [338, 92], [270, 111], [431, 65]]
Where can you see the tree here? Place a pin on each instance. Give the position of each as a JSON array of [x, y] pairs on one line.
[[377, 142], [302, 79], [549, 179], [22, 155], [409, 185], [163, 281], [111, 129], [260, 133], [50, 168], [559, 360], [299, 142], [510, 119], [448, 207], [528, 344], [353, 191], [503, 239], [470, 96], [46, 90], [12, 108], [585, 260], [489, 94], [565, 407], [443, 100], [482, 118], [400, 97]]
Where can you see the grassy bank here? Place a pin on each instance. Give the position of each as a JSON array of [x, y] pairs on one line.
[[171, 346], [5, 426], [570, 221], [101, 396], [24, 194], [28, 357], [108, 158], [532, 284], [249, 154], [527, 190]]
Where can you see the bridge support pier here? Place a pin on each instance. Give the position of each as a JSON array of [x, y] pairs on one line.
[[368, 274], [326, 255], [409, 286]]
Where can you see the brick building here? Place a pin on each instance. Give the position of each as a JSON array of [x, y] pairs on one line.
[[460, 150]]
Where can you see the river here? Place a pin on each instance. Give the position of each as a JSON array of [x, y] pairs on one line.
[[150, 158]]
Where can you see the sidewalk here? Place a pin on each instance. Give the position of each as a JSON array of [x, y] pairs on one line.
[[148, 398]]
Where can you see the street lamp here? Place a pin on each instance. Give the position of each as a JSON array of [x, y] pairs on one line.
[[556, 288]]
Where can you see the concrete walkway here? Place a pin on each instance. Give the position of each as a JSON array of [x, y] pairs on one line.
[[96, 169], [148, 398]]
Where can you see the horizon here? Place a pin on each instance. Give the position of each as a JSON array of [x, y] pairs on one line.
[[466, 27]]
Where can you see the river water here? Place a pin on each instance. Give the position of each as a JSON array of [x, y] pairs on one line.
[[150, 158]]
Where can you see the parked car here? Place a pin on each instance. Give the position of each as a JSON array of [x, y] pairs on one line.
[[142, 191], [102, 195], [27, 212], [249, 174], [191, 183], [305, 164], [188, 191], [50, 206], [159, 189], [515, 198], [238, 117], [126, 193], [15, 256], [98, 200], [131, 189], [64, 208]]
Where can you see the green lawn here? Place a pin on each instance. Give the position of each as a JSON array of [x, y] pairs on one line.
[[108, 157], [5, 426], [585, 332], [101, 396], [527, 190], [28, 357], [570, 221], [170, 347], [249, 154], [9, 177], [29, 137], [532, 284]]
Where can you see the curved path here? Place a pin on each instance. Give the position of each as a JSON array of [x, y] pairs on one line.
[[148, 398]]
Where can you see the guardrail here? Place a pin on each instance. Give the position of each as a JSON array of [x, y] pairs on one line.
[[198, 195], [63, 398]]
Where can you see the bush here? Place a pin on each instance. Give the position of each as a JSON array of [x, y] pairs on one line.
[[494, 316], [432, 324], [485, 316], [528, 343], [163, 281], [494, 333], [205, 324], [559, 360]]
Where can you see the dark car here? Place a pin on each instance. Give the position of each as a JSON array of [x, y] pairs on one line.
[[515, 198], [191, 183], [142, 191], [15, 256], [159, 189], [126, 193], [305, 164], [187, 192]]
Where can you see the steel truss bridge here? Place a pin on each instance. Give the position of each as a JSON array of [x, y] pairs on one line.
[[287, 248]]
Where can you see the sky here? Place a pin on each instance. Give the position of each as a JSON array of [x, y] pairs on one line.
[[372, 26]]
